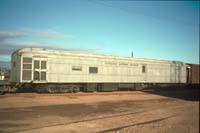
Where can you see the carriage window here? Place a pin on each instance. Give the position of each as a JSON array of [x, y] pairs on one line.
[[143, 69], [76, 68], [36, 64], [27, 68], [43, 75], [93, 69], [27, 60], [36, 75], [26, 75], [43, 64]]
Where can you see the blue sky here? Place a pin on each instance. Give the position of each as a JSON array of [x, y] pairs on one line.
[[167, 30]]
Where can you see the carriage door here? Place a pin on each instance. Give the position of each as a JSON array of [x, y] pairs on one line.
[[40, 69]]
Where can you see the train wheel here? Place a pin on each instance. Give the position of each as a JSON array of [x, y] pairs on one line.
[[76, 89]]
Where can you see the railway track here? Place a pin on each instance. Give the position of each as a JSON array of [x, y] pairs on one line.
[[112, 118]]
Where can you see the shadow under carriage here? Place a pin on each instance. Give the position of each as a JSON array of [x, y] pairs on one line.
[[189, 92]]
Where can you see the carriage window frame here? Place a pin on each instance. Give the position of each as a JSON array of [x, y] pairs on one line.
[[27, 60], [93, 70], [27, 68], [36, 64], [43, 75], [43, 64], [26, 74], [144, 69], [76, 68]]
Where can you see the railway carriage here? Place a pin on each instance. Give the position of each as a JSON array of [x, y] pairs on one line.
[[55, 70]]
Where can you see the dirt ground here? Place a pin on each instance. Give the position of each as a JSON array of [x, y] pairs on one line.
[[121, 112]]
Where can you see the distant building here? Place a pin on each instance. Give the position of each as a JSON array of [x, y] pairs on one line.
[[2, 75]]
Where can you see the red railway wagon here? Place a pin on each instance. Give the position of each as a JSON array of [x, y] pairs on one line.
[[194, 73]]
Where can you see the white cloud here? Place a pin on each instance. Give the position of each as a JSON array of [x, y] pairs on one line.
[[48, 33], [53, 34], [7, 35], [41, 44], [7, 46], [34, 34]]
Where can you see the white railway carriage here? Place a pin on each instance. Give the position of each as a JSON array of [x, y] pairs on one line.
[[36, 65]]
